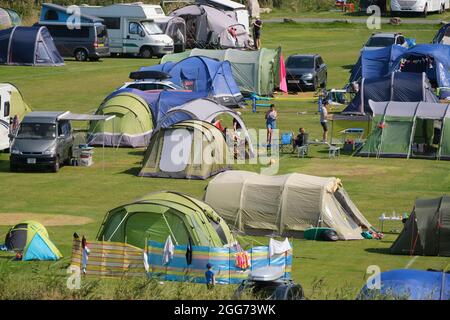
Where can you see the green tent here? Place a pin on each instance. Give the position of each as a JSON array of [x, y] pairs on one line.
[[190, 149], [32, 239], [409, 130], [256, 71], [131, 127], [158, 215], [427, 230], [9, 92]]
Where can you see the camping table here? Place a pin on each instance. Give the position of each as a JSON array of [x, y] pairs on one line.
[[383, 219]]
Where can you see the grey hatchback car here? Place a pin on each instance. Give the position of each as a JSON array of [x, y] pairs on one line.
[[44, 140], [306, 71]]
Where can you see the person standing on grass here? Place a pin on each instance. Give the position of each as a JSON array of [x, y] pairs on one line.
[[257, 25], [324, 120], [271, 123], [210, 277]]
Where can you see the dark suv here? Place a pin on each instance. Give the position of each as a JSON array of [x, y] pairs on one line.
[[305, 71]]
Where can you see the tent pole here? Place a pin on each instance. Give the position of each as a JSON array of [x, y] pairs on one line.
[[413, 131]]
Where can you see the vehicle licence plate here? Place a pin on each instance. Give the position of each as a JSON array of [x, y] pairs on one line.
[[31, 160], [293, 81]]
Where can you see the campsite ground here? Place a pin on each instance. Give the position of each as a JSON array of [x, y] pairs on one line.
[[326, 270]]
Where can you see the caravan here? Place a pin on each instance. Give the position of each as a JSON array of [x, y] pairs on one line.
[[132, 28]]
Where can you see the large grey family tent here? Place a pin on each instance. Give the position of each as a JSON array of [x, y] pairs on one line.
[[131, 126], [409, 130], [234, 9], [398, 86], [32, 46], [257, 71], [427, 230], [443, 35], [203, 74], [9, 18], [31, 238], [190, 149], [158, 215], [208, 27], [205, 110], [284, 205]]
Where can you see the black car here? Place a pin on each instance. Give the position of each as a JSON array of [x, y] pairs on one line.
[[305, 72]]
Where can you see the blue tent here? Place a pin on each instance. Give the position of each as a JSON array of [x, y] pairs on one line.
[[410, 285], [375, 63], [443, 32], [202, 74], [32, 46], [397, 86], [416, 59], [160, 102]]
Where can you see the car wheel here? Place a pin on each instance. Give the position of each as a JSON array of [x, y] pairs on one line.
[[56, 165], [81, 55], [146, 53]]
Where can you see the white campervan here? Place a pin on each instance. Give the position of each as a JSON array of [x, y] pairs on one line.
[[419, 6], [132, 28]]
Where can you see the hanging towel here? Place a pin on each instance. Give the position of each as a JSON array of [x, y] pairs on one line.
[[168, 251], [243, 260], [278, 247], [189, 252]]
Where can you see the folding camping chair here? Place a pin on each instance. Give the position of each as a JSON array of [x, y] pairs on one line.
[[286, 141]]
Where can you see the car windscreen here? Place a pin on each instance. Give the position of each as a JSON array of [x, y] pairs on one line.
[[45, 131], [151, 27], [300, 62], [380, 42]]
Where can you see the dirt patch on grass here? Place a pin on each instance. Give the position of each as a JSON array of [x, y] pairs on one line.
[[48, 220]]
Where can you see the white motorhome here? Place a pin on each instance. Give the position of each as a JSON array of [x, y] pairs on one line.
[[419, 6], [5, 100], [132, 28]]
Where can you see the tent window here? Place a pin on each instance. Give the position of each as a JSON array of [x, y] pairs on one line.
[[51, 15], [427, 136], [7, 108], [219, 231]]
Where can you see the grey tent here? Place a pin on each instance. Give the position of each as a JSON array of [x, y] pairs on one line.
[[284, 205], [208, 27], [398, 86], [205, 110], [174, 27], [427, 230]]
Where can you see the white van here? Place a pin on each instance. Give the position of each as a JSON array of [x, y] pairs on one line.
[[419, 6], [132, 29]]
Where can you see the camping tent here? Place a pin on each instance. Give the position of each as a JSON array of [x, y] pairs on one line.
[[9, 18], [205, 110], [427, 230], [433, 59], [189, 149], [374, 64], [284, 205], [409, 129], [398, 86], [443, 35], [174, 27], [234, 9], [257, 71], [17, 104], [28, 46], [32, 239], [411, 285], [132, 125], [202, 74], [158, 215], [210, 27]]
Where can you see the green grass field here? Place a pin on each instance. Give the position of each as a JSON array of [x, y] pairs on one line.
[[326, 270]]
